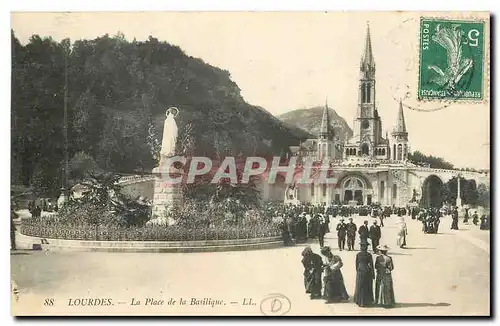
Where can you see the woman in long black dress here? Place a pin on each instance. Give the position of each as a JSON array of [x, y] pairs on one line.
[[363, 294], [384, 288], [313, 268], [334, 288], [285, 232]]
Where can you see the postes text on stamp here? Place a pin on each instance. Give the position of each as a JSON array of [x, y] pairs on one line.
[[451, 59]]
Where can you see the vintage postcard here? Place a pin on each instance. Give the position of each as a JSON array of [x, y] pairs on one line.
[[250, 164]]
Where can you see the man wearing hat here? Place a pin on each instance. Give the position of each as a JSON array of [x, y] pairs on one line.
[[321, 230], [341, 233], [364, 233], [454, 218], [375, 235], [351, 229]]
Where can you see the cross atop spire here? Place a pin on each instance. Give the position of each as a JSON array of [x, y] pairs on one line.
[[325, 130], [367, 59]]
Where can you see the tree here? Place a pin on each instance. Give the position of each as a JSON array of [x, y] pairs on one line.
[[432, 161], [81, 166], [468, 191], [117, 95], [484, 199]]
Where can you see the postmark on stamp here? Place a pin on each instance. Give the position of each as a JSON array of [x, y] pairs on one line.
[[452, 59]]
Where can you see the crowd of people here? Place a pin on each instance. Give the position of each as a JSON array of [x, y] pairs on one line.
[[431, 218], [299, 223], [323, 278]]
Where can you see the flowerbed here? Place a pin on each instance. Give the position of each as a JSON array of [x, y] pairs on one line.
[[56, 230]]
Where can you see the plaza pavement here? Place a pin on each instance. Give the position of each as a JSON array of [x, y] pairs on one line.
[[438, 274]]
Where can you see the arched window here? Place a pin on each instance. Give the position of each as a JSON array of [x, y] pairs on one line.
[[400, 152], [354, 184], [312, 189], [347, 151], [383, 151], [363, 93], [394, 191], [405, 152], [394, 152], [382, 189], [368, 93]]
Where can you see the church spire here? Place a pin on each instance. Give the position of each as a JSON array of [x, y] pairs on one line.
[[325, 130], [400, 126], [367, 59]]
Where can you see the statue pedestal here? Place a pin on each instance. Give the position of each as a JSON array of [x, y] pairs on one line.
[[62, 199], [292, 201], [167, 195]]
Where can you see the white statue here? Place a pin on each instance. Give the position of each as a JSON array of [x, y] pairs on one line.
[[169, 133], [291, 194]]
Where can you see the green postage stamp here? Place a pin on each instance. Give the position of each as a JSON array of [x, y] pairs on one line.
[[452, 59]]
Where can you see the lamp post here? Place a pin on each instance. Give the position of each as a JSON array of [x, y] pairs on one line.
[[64, 196], [459, 199]]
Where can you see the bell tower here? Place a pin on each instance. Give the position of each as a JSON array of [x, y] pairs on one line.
[[367, 125]]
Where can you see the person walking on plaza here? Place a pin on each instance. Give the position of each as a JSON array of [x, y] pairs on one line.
[[313, 227], [313, 268], [351, 229], [301, 229], [384, 287], [363, 233], [402, 232], [454, 217], [375, 235], [341, 234], [365, 273], [485, 222], [321, 231], [327, 221], [334, 287], [381, 218], [285, 232], [13, 215], [475, 218]]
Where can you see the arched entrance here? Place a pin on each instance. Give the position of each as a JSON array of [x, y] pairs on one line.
[[352, 190], [432, 192]]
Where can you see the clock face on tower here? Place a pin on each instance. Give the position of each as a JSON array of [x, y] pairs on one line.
[[365, 124]]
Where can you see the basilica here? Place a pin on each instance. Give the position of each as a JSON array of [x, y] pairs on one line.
[[369, 167]]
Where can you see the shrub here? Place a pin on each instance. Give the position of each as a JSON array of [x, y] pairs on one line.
[[57, 229]]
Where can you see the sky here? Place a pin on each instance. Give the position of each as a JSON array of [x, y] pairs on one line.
[[294, 60]]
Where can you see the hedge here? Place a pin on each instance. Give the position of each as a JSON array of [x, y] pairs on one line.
[[146, 233]]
